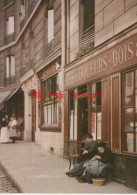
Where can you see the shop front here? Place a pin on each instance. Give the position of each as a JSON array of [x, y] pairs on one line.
[[101, 98], [49, 108]]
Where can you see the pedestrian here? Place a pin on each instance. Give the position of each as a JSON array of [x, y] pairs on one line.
[[13, 129], [4, 137]]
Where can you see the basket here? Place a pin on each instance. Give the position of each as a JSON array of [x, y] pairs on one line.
[[98, 181]]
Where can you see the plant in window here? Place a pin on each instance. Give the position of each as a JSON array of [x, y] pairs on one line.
[[83, 50]]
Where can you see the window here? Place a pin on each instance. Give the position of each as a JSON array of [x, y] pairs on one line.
[[50, 25], [22, 9], [10, 25], [10, 66], [130, 111], [73, 116], [50, 105], [88, 22], [96, 113]]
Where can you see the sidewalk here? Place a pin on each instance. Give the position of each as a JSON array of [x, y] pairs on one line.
[[36, 171]]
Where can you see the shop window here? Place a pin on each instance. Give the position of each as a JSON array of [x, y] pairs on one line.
[[10, 25], [130, 111], [50, 105], [73, 116], [88, 22], [96, 113], [50, 25]]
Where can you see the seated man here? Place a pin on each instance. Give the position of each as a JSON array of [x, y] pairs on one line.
[[88, 153], [99, 165]]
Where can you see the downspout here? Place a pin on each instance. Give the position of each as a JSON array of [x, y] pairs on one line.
[[68, 31], [63, 56]]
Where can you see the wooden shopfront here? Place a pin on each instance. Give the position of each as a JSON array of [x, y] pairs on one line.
[[112, 117]]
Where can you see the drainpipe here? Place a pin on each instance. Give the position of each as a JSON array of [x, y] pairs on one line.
[[68, 31], [62, 70]]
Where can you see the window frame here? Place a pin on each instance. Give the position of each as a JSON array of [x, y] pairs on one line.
[[52, 127], [10, 64], [123, 107]]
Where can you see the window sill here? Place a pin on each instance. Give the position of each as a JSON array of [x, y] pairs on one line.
[[50, 129]]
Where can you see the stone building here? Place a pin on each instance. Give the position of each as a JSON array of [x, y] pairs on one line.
[[31, 63], [85, 50], [101, 49]]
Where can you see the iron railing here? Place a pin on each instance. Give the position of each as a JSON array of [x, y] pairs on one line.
[[48, 49], [9, 38], [25, 69], [88, 36], [9, 80], [7, 2]]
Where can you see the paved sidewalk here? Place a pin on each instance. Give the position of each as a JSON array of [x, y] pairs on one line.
[[36, 171]]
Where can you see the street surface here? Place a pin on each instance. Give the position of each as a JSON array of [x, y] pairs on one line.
[[36, 171], [5, 184]]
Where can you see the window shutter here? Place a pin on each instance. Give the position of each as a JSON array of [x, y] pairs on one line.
[[106, 110], [12, 65], [115, 98], [66, 116], [50, 25], [7, 67]]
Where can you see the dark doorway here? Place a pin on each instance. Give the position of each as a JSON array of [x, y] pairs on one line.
[[82, 114]]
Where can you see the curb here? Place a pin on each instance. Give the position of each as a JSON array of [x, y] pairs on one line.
[[12, 180]]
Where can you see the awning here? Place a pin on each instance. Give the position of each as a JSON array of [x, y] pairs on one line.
[[13, 92], [6, 95]]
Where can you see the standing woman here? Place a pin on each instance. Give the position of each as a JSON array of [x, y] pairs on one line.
[[13, 129], [4, 137]]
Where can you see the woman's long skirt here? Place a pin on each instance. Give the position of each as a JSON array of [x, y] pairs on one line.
[[4, 136], [13, 133]]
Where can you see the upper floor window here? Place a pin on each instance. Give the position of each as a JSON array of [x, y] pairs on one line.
[[22, 9], [10, 66], [50, 25], [88, 22], [10, 25], [88, 17]]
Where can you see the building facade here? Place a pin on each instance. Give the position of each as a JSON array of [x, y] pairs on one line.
[[101, 80], [84, 54], [31, 67]]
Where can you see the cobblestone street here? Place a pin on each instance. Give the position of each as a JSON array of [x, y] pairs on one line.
[[5, 184]]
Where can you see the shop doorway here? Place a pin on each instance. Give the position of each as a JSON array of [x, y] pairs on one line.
[[82, 115]]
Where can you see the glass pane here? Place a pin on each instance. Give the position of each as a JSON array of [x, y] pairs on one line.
[[98, 91], [129, 145], [71, 124], [71, 117], [93, 100], [129, 120], [54, 113], [99, 125], [45, 115], [129, 89], [49, 114], [93, 125]]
